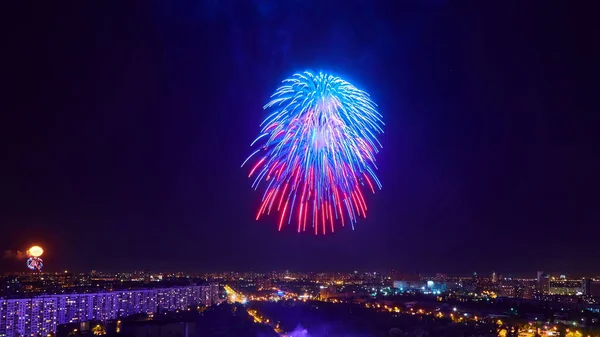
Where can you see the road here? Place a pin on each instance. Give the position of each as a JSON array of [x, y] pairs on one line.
[[234, 296], [237, 297]]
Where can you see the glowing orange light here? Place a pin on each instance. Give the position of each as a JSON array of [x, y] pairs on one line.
[[35, 251]]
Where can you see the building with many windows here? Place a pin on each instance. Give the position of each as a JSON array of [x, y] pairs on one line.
[[39, 316]]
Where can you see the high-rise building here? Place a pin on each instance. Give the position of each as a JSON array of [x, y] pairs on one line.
[[540, 274], [543, 280], [41, 314], [591, 287]]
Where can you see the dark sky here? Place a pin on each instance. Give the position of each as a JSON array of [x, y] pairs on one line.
[[125, 123]]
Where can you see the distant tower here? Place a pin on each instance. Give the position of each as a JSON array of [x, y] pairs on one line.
[[494, 277], [393, 276], [586, 285], [540, 274], [543, 283]]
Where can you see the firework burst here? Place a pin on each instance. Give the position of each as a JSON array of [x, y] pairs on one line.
[[317, 152]]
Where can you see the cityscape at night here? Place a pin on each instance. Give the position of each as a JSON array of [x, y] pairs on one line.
[[109, 303], [287, 168]]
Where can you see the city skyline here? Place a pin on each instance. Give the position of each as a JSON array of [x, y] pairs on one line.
[[127, 125], [64, 304], [553, 275]]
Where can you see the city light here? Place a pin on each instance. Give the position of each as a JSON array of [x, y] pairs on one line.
[[454, 300], [46, 312]]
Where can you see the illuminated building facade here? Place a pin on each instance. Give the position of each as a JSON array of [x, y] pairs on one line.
[[40, 315], [591, 287], [507, 290], [543, 281], [565, 287], [264, 283]]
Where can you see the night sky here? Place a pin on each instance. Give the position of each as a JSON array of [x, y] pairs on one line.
[[124, 125]]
